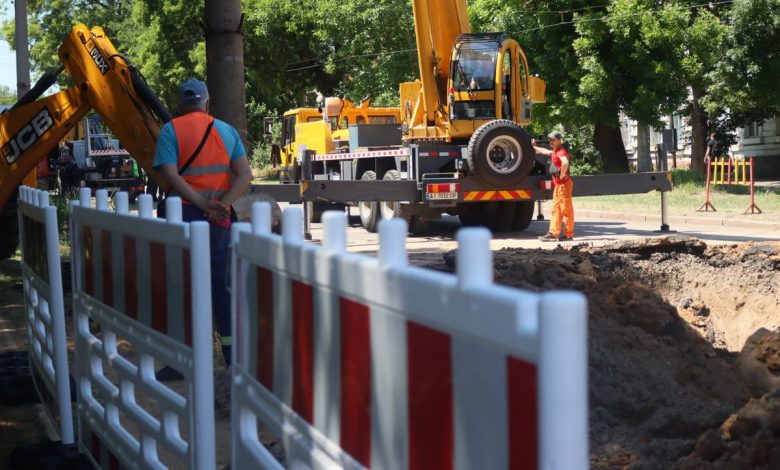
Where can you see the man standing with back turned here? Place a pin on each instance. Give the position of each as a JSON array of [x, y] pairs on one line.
[[205, 163], [563, 208]]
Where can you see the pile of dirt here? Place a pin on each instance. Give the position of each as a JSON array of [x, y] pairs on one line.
[[681, 336]]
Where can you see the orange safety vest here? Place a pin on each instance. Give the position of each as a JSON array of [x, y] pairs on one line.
[[209, 173]]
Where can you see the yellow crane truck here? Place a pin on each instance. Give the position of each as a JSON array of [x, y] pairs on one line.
[[104, 80], [459, 147]]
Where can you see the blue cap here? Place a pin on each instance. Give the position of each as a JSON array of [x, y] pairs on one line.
[[192, 92]]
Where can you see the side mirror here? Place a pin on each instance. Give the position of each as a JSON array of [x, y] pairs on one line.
[[268, 124]]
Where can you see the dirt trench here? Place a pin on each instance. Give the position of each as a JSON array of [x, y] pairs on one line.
[[684, 348]]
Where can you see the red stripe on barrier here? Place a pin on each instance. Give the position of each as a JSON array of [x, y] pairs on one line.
[[158, 287], [113, 462], [94, 447], [356, 380], [523, 415], [131, 277], [89, 275], [265, 326], [187, 294], [303, 350], [108, 274], [429, 364]]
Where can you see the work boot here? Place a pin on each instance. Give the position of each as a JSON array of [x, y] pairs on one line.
[[548, 237], [564, 238]]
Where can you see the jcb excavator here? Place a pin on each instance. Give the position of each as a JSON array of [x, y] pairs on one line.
[[104, 80]]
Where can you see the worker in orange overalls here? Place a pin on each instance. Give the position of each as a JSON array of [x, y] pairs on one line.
[[563, 208]]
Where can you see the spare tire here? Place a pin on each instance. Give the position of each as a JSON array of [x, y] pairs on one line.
[[500, 153]]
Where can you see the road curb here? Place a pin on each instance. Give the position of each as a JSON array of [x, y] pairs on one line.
[[677, 219]]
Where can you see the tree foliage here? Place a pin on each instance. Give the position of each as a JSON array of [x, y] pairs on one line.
[[597, 56], [7, 95]]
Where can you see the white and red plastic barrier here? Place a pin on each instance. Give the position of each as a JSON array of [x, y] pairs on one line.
[[145, 281], [44, 307], [359, 362]]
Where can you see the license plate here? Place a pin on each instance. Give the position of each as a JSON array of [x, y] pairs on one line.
[[442, 196]]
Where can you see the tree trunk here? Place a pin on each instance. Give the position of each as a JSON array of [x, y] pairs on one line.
[[225, 63], [644, 162], [609, 143], [698, 130]]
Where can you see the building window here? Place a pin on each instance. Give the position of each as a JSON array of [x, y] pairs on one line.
[[753, 130]]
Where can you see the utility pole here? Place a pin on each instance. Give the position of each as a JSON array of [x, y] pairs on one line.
[[22, 51], [225, 63]]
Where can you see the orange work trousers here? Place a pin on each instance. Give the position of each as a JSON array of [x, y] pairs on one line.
[[562, 209]]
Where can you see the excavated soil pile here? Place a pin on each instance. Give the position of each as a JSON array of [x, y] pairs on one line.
[[684, 348]]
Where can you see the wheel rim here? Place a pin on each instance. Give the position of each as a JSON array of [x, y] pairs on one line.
[[504, 154], [365, 209], [387, 209]]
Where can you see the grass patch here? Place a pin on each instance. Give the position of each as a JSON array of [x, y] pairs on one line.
[[688, 195]]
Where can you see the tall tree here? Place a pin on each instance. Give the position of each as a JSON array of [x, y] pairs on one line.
[[744, 81]]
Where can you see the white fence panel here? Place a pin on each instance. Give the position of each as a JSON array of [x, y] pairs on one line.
[[44, 307], [357, 362], [146, 281]]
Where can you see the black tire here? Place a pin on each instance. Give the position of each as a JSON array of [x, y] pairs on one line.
[[369, 210], [500, 153], [390, 209], [502, 219], [523, 216]]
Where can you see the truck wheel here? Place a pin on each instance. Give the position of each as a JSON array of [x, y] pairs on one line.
[[500, 153], [369, 210], [502, 219], [524, 215], [390, 209]]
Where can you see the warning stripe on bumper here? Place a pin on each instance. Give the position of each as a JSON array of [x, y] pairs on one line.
[[502, 195]]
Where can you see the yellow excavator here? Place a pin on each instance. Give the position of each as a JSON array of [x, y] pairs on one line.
[[103, 80]]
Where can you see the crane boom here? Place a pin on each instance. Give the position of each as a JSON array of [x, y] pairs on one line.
[[437, 23]]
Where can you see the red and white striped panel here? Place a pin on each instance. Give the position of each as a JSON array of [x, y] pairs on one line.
[[449, 153], [378, 364], [146, 280], [102, 457], [359, 155], [110, 151], [546, 184]]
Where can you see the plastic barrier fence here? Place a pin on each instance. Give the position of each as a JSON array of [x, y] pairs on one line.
[[731, 171], [44, 307], [146, 283], [354, 361]]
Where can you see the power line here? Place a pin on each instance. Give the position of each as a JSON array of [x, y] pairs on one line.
[[321, 62], [601, 18]]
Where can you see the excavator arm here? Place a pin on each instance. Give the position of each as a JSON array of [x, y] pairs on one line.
[[105, 81]]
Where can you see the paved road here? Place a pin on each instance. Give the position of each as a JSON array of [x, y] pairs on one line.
[[594, 232]]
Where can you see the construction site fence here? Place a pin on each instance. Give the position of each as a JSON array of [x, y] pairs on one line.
[[355, 361], [142, 300], [44, 308], [736, 170], [352, 361]]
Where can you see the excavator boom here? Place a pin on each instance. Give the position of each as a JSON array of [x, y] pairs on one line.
[[104, 81]]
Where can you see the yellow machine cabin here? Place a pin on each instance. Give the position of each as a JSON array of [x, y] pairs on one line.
[[323, 130]]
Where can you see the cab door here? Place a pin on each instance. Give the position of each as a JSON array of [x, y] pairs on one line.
[[509, 87]]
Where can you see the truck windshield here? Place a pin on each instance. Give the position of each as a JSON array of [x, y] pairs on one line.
[[474, 69]]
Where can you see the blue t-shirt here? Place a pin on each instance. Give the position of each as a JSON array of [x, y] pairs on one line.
[[167, 151]]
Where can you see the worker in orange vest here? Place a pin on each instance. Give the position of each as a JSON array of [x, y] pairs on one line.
[[205, 163], [563, 207]]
